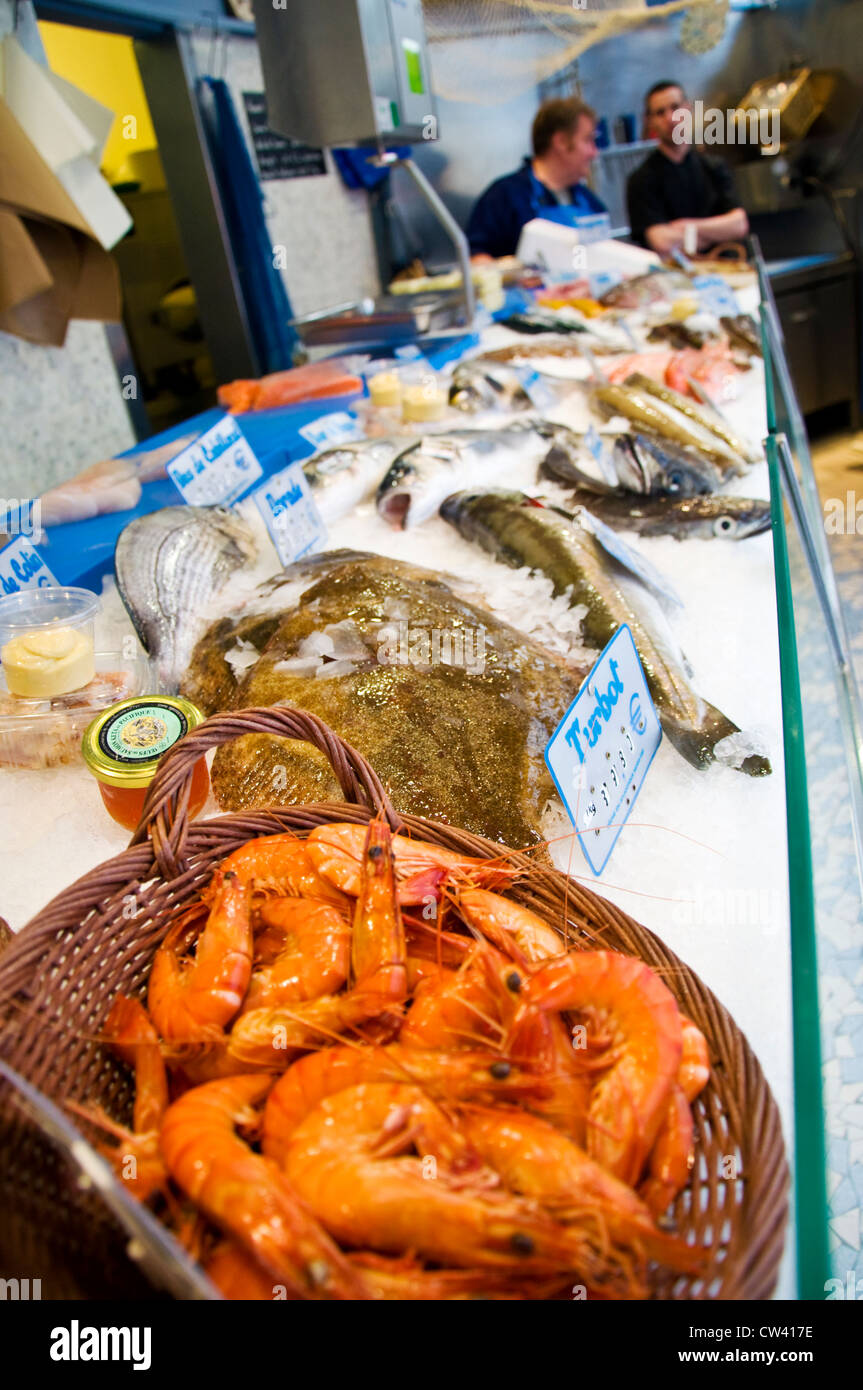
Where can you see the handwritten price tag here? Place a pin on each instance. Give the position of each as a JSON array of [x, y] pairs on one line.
[[218, 468], [600, 752], [291, 515], [22, 567], [340, 427]]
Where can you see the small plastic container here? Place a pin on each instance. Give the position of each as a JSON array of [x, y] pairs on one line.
[[37, 733], [47, 640], [32, 609], [123, 746]]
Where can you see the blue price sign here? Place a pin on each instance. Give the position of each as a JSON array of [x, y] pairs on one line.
[[291, 515], [218, 468], [600, 752], [22, 567]]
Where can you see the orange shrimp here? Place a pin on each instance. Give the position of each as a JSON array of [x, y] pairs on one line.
[[467, 1007], [136, 1158], [694, 1072], [629, 1100], [444, 1076], [537, 1161], [192, 1001], [351, 1162], [270, 1038], [501, 920], [281, 865], [481, 1004], [314, 958], [237, 1276], [246, 1195], [673, 1154], [337, 853], [378, 949]]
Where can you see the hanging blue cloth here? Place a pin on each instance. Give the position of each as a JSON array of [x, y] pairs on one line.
[[264, 295], [356, 171]]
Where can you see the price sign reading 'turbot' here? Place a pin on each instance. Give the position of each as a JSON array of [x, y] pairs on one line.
[[600, 752]]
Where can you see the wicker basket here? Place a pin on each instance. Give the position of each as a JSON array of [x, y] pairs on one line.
[[61, 973]]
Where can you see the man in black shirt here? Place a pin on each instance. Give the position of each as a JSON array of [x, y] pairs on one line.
[[676, 186]]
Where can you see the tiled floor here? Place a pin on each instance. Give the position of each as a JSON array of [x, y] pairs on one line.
[[839, 470]]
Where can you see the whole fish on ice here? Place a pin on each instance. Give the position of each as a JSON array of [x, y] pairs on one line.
[[425, 473], [169, 565], [701, 518], [644, 464], [479, 384], [346, 474], [518, 532]]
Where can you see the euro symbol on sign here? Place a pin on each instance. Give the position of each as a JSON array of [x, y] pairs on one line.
[[636, 718]]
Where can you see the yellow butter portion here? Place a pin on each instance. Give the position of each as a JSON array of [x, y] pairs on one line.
[[51, 661], [423, 403]]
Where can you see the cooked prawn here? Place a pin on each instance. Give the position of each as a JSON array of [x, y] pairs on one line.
[[281, 865], [337, 853], [535, 1159], [444, 1076], [246, 1195], [639, 1012], [501, 920], [136, 1157], [351, 1162], [673, 1153], [314, 958], [191, 1001]]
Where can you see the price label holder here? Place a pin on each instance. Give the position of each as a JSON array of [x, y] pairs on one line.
[[290, 513], [22, 567], [218, 468], [340, 427], [600, 752]]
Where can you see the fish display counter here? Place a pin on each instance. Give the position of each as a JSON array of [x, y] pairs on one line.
[[451, 579]]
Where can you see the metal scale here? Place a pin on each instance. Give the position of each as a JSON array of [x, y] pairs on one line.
[[356, 72]]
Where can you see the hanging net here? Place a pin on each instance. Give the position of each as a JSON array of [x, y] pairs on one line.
[[488, 51]]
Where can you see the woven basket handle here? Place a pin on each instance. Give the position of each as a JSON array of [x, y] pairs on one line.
[[165, 813]]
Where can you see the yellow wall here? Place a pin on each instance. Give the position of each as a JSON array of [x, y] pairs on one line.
[[104, 66]]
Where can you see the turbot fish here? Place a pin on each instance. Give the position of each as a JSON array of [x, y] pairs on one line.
[[169, 566], [518, 532], [426, 472], [645, 464], [701, 518], [480, 384], [452, 707], [345, 475], [645, 409]]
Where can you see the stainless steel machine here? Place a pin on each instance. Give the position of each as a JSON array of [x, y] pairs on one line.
[[356, 72]]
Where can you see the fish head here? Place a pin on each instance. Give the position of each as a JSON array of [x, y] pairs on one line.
[[740, 518], [665, 470]]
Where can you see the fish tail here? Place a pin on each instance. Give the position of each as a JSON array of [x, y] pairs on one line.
[[697, 742]]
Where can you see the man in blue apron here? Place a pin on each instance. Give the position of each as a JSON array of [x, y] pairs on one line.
[[563, 150]]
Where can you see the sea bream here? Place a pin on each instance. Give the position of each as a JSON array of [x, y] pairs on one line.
[[343, 476], [519, 533], [426, 472], [169, 566]]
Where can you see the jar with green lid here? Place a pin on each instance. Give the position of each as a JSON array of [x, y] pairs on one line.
[[124, 744]]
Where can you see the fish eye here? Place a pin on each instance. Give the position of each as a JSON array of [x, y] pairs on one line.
[[723, 525], [675, 482]]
